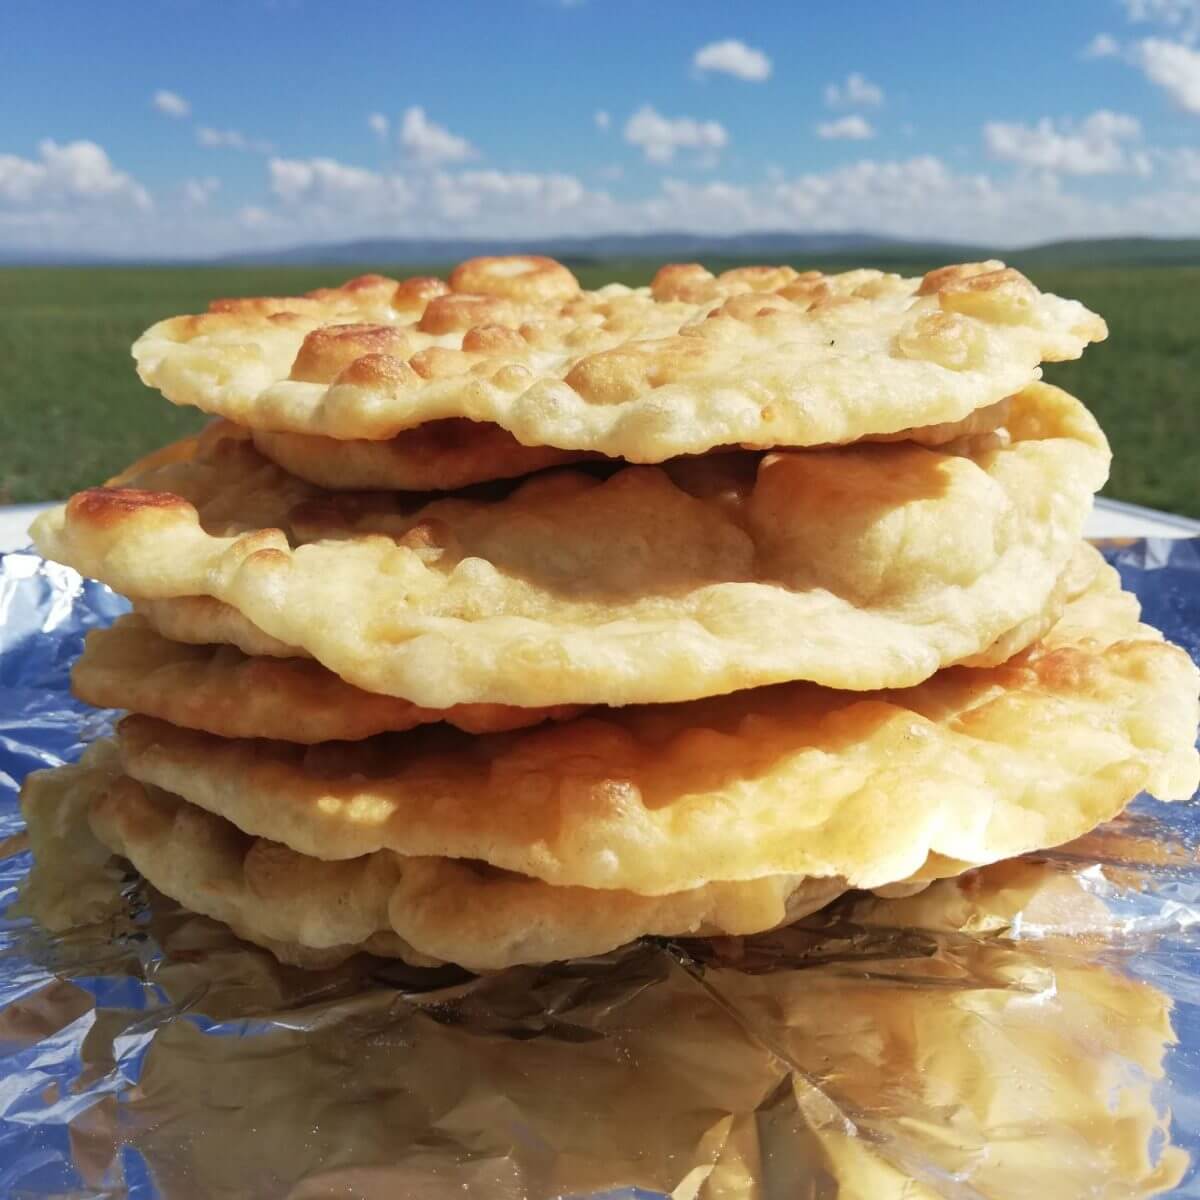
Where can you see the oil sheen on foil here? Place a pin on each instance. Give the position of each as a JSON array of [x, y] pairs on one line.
[[1030, 1030]]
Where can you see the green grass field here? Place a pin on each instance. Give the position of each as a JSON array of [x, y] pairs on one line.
[[72, 411]]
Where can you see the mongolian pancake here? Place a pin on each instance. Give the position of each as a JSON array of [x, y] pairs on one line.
[[223, 691], [759, 356], [972, 766], [314, 913], [857, 567]]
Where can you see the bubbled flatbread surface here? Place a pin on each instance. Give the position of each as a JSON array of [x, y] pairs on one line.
[[761, 355], [221, 690], [973, 765], [314, 912], [856, 567]]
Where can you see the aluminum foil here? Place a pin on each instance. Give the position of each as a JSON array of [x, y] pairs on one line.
[[1030, 1030]]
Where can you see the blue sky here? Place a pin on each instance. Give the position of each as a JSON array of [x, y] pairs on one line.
[[191, 128]]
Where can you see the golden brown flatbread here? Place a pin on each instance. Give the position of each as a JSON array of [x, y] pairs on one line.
[[760, 356], [858, 567]]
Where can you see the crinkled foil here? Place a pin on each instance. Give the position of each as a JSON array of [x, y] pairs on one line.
[[1031, 1030]]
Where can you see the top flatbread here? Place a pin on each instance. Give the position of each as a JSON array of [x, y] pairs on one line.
[[759, 356], [856, 567]]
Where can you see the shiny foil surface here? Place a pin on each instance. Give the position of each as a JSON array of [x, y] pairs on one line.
[[1030, 1030]]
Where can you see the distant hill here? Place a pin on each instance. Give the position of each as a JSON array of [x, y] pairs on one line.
[[1111, 252], [768, 247], [600, 248], [774, 246]]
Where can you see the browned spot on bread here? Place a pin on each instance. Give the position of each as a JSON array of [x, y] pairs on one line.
[[269, 558], [368, 283], [943, 277], [251, 305], [493, 339], [988, 281], [751, 305], [531, 278], [290, 319], [438, 362], [683, 281], [361, 288], [326, 352], [615, 375], [110, 506], [807, 290], [759, 279], [412, 295], [451, 313], [539, 333], [379, 370]]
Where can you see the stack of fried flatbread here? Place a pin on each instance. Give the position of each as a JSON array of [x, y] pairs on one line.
[[500, 621]]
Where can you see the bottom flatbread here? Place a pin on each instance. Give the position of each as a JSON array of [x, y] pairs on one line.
[[313, 913]]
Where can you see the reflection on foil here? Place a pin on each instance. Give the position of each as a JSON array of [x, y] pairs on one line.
[[1030, 1030]]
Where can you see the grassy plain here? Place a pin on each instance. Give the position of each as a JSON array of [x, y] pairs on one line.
[[72, 411]]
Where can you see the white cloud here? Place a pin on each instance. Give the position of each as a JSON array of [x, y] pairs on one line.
[[660, 137], [71, 197], [88, 207], [323, 196], [378, 124], [494, 195], [1094, 146], [920, 198], [602, 119], [427, 142], [1182, 16], [1103, 45], [71, 176], [320, 181], [231, 139], [171, 104], [1173, 67], [856, 92], [853, 128], [732, 57], [198, 192]]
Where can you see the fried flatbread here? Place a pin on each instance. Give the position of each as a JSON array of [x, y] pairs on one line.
[[972, 766], [858, 567], [315, 913], [221, 690], [760, 356]]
